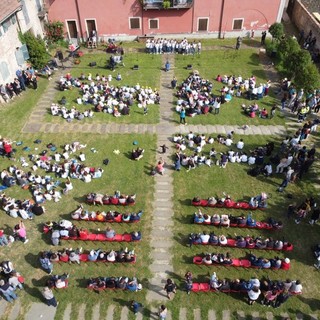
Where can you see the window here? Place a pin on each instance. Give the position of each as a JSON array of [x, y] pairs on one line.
[[203, 24], [25, 12], [6, 25], [13, 19], [237, 24], [153, 23], [134, 23], [4, 70]]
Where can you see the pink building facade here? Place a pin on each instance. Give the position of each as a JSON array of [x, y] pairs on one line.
[[136, 18]]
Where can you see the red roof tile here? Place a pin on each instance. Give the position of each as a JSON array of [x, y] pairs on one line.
[[7, 7]]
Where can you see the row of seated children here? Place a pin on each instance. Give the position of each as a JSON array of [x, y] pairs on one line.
[[227, 220], [110, 216], [77, 255], [244, 84], [259, 262], [240, 241], [100, 199], [253, 110], [70, 114], [259, 201], [264, 284], [123, 283], [17, 208]]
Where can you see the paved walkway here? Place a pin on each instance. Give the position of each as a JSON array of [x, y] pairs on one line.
[[162, 222]]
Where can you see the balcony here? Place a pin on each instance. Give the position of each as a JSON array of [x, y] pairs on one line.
[[167, 5]]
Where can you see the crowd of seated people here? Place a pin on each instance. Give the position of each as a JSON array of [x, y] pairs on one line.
[[235, 221], [252, 260], [253, 110], [70, 114], [194, 95], [123, 283], [17, 208], [165, 46], [58, 281], [259, 201], [196, 144], [109, 216], [117, 198], [115, 100], [64, 229], [239, 241], [265, 285], [77, 255]]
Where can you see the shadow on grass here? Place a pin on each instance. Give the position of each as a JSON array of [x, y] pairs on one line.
[[82, 283], [33, 291], [33, 260], [40, 282], [312, 303], [182, 239], [185, 202]]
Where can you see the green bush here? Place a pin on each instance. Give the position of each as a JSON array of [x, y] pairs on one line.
[[54, 31], [37, 49], [276, 30]]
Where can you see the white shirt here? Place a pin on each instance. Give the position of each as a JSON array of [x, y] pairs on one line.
[[240, 145]]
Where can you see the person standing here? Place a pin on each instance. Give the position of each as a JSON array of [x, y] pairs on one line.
[[49, 297], [7, 291], [183, 116], [170, 288], [135, 306], [20, 232], [239, 41], [174, 83], [263, 38], [163, 311]]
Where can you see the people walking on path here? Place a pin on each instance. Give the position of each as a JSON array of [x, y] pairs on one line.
[[163, 311], [49, 297]]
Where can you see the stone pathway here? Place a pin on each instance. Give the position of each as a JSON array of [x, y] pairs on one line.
[[161, 234], [162, 222]]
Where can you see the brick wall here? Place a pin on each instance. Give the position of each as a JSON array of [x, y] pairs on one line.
[[304, 20]]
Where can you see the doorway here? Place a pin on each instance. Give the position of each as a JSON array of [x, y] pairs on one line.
[[91, 26], [72, 29]]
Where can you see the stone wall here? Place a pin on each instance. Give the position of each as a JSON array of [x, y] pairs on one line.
[[305, 21]]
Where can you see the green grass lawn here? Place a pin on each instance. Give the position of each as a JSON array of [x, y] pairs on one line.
[[234, 180], [244, 62], [148, 75], [120, 174], [133, 177]]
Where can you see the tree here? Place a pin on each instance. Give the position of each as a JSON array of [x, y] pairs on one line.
[[287, 46], [296, 63], [276, 30], [37, 49], [308, 78]]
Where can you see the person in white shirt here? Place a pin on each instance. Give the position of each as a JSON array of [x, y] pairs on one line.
[[204, 237], [82, 157], [228, 142], [268, 169], [252, 160], [240, 144]]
